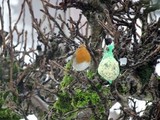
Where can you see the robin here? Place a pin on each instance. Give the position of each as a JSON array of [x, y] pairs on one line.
[[81, 59], [108, 67]]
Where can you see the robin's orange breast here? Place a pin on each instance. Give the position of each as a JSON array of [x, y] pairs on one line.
[[82, 55]]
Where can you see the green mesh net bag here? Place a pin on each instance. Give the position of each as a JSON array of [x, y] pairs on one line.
[[108, 68]]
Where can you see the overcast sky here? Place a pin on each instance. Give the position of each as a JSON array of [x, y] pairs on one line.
[[16, 7]]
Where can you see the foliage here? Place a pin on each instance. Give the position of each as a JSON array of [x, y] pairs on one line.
[[90, 74], [63, 104], [67, 79], [6, 113], [82, 98], [145, 72]]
